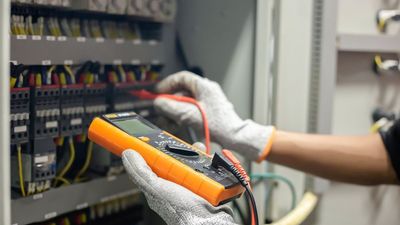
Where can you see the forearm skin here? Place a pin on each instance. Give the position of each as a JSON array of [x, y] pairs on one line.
[[352, 159]]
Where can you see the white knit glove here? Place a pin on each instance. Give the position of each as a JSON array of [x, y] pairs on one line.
[[244, 136], [174, 203]]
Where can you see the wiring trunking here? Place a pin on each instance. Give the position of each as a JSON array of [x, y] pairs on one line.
[[69, 65]]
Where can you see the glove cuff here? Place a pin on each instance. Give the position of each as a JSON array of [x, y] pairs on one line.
[[252, 140], [267, 149]]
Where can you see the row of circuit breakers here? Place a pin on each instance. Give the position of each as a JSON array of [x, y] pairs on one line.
[[51, 109], [163, 10]]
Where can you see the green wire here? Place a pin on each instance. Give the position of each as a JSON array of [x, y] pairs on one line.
[[273, 176]]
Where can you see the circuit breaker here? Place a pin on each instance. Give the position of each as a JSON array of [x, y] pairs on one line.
[[20, 100], [45, 111], [73, 60], [38, 164], [71, 109]]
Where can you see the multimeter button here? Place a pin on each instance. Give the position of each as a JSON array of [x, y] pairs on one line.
[[145, 139], [181, 150], [206, 167], [198, 170]]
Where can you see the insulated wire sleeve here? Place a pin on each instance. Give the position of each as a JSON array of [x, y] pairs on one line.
[[301, 212], [20, 171], [253, 205], [280, 178], [239, 210], [71, 158], [65, 181], [87, 161]]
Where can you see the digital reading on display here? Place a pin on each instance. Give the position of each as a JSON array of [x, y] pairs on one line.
[[134, 127]]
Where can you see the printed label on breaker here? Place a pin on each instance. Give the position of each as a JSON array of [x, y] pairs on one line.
[[51, 124], [20, 129], [76, 121], [36, 37], [41, 159]]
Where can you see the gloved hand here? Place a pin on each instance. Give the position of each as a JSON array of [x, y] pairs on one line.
[[244, 136], [174, 203]]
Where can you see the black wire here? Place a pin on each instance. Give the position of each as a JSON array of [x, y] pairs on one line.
[[240, 212], [248, 209], [253, 203]]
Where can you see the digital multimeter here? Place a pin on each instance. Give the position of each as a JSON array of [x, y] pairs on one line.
[[169, 157]]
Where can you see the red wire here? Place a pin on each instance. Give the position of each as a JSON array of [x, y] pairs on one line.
[[231, 157], [143, 94]]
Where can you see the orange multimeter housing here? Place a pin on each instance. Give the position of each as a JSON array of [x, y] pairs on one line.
[[169, 157]]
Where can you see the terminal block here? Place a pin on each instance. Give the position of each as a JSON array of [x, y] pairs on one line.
[[72, 110], [19, 115], [94, 101], [45, 111], [38, 165]]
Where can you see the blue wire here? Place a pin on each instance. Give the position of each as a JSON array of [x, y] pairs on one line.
[[274, 176]]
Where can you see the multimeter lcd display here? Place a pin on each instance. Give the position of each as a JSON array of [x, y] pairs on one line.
[[134, 127]]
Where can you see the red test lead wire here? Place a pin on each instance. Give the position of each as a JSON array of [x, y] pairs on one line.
[[232, 158], [143, 94]]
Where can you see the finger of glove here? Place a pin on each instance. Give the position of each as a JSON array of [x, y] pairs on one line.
[[181, 81], [139, 172], [181, 112]]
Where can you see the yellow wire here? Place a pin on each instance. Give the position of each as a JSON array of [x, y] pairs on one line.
[[154, 76], [63, 79], [84, 218], [13, 81], [38, 80], [71, 159], [381, 25], [65, 181], [114, 77], [70, 73], [28, 22], [87, 161], [20, 172], [60, 141], [378, 60], [89, 78], [122, 72]]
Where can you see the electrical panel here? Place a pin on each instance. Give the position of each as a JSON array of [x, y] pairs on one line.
[[73, 60]]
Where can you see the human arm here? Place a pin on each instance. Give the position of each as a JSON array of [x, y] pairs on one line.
[[354, 159]]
